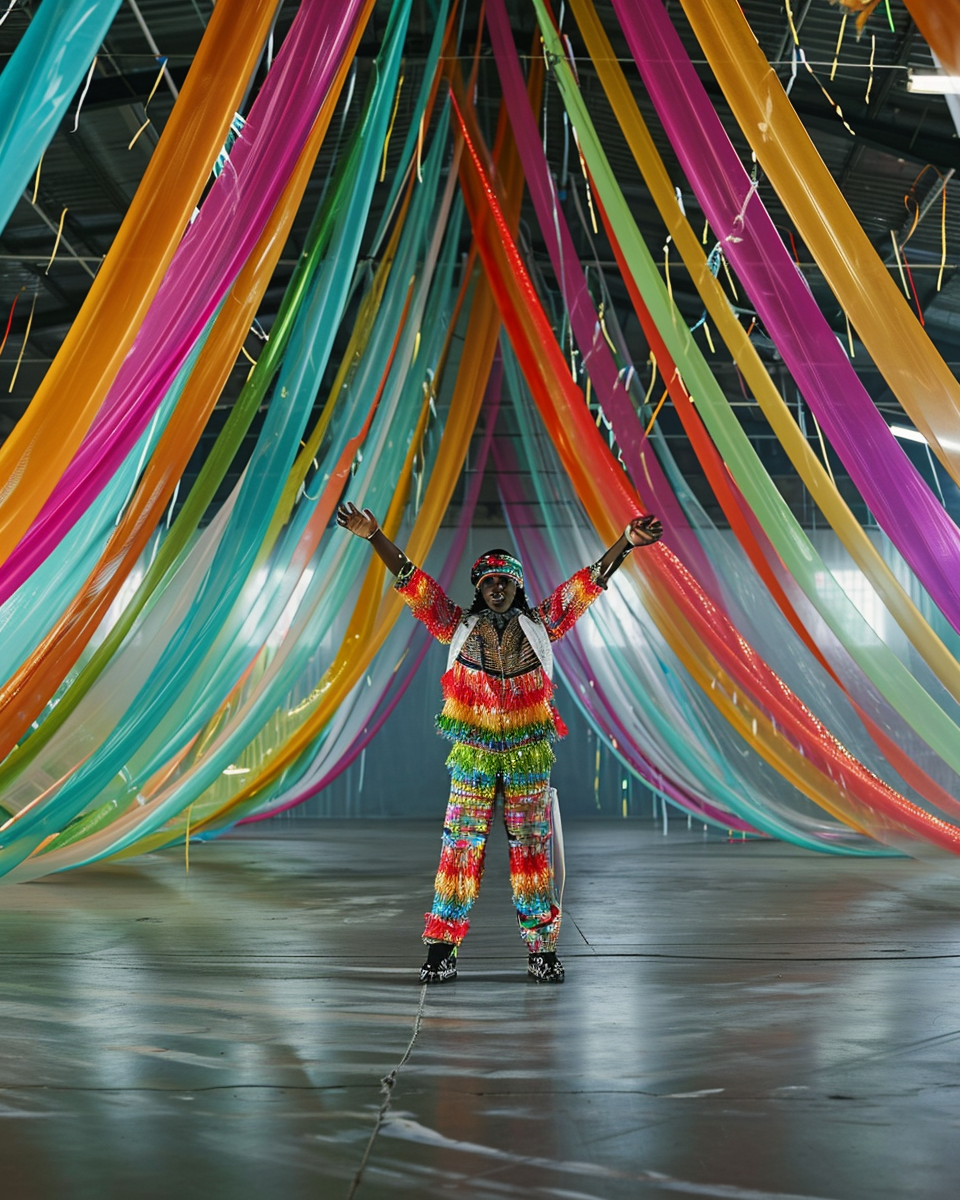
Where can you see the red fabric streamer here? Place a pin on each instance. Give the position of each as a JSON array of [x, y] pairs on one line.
[[610, 497]]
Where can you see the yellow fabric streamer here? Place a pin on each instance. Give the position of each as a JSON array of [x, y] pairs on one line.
[[901, 350], [808, 467]]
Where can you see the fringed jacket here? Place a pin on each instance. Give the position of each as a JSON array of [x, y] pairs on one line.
[[497, 690]]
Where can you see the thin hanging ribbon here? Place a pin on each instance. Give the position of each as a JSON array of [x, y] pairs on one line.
[[386, 140], [36, 181], [16, 369], [156, 84], [943, 236], [873, 54], [896, 251], [13, 309], [56, 244], [913, 286], [656, 413], [186, 842], [83, 95], [836, 53], [823, 447]]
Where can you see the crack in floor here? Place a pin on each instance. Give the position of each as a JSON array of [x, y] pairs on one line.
[[387, 1084]]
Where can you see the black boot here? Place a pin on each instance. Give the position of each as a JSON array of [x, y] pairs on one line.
[[545, 967], [441, 964]]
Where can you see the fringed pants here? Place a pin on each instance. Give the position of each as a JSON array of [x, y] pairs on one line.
[[527, 819]]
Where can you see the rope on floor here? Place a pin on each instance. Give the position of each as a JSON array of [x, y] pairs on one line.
[[387, 1084]]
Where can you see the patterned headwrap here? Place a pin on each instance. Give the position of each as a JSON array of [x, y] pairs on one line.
[[496, 563]]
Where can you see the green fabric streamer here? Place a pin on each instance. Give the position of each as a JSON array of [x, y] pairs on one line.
[[878, 662]]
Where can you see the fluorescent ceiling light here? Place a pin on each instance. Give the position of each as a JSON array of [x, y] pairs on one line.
[[941, 85], [906, 434]]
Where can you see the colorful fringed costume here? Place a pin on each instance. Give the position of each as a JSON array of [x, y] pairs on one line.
[[498, 711]]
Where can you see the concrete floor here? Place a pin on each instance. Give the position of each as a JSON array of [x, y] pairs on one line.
[[739, 1021]]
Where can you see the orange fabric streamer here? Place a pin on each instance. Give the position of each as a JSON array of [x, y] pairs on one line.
[[898, 345], [41, 445], [28, 690], [939, 22]]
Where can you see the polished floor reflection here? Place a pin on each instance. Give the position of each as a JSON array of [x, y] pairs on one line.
[[740, 1020]]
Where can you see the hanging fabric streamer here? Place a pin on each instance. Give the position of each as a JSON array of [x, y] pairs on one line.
[[939, 22], [252, 397], [882, 667], [41, 445], [358, 722], [355, 225], [903, 353], [587, 326], [864, 554], [548, 224], [39, 81], [205, 264], [862, 797]]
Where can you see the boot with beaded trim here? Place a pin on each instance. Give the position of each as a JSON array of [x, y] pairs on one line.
[[545, 967], [441, 964]]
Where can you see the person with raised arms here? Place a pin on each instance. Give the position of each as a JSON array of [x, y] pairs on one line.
[[499, 714]]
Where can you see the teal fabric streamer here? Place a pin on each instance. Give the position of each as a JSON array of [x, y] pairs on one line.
[[24, 619], [280, 437], [38, 83], [340, 562], [665, 708]]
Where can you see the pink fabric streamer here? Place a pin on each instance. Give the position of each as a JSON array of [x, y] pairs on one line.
[[204, 267], [893, 489], [638, 456], [642, 465]]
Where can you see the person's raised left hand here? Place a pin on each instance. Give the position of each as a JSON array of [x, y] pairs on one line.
[[360, 522], [644, 531]]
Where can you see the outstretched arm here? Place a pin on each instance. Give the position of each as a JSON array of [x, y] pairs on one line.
[[572, 599], [365, 525], [642, 531], [424, 597]]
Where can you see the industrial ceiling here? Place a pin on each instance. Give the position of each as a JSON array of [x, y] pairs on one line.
[[894, 155]]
